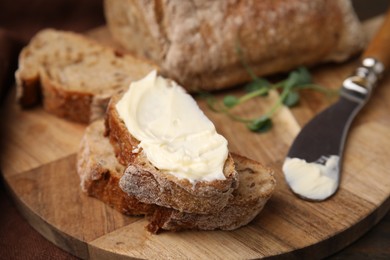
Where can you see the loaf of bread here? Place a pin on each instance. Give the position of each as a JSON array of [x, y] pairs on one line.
[[153, 186], [100, 173], [73, 75], [202, 44]]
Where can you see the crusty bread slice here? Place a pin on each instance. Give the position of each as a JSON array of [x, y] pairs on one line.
[[153, 186], [100, 172], [256, 187], [74, 75]]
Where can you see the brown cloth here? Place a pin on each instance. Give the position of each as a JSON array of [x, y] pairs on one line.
[[19, 21]]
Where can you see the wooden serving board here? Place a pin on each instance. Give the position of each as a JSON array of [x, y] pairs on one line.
[[38, 156]]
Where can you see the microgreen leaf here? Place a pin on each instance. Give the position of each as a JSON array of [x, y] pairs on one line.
[[230, 101], [304, 76], [297, 80], [260, 125], [257, 84], [292, 80], [291, 99]]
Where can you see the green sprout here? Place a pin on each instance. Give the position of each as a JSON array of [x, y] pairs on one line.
[[288, 88]]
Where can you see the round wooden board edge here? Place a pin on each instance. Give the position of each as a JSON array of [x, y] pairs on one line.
[[86, 250], [333, 244]]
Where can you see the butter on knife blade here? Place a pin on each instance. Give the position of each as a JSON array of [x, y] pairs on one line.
[[313, 164]]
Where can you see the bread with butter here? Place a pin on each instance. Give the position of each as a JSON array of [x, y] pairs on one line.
[[256, 185], [153, 186], [74, 75], [202, 44], [100, 173]]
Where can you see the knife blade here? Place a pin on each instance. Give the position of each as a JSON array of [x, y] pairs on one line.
[[314, 162]]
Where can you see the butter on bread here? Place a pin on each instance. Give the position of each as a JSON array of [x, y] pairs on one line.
[[197, 43], [100, 172], [152, 186], [73, 75]]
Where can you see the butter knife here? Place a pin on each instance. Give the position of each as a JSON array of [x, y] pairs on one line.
[[313, 164]]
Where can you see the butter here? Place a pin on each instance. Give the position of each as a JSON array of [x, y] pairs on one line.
[[312, 180], [174, 133]]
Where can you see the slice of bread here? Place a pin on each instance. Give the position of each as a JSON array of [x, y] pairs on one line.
[[153, 186], [256, 186], [100, 172], [74, 75]]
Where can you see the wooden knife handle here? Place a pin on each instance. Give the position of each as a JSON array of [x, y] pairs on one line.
[[379, 47]]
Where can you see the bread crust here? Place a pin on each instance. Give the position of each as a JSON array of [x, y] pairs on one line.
[[73, 75], [153, 186], [122, 141], [202, 197], [67, 104], [241, 209], [99, 173], [196, 42]]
